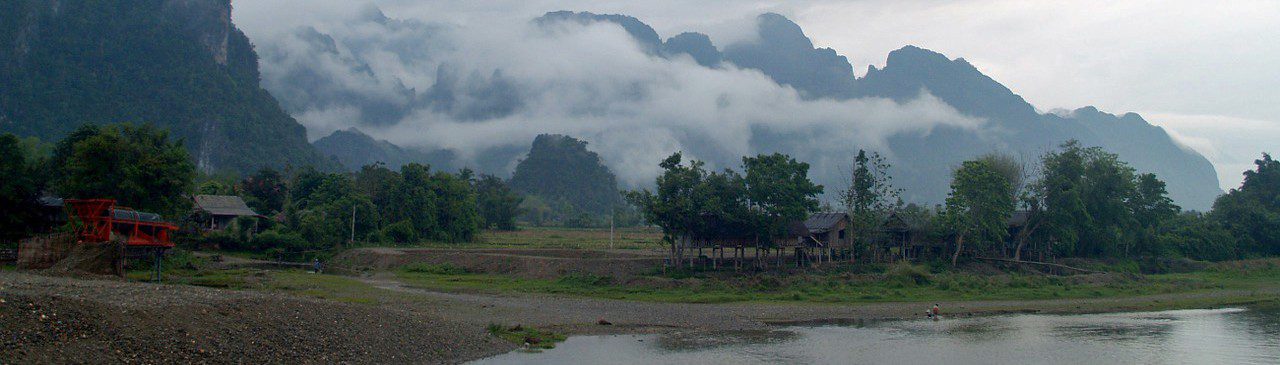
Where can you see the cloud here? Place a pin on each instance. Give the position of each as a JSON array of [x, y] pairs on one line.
[[493, 84]]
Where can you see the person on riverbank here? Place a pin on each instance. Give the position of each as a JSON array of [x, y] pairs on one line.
[[936, 310], [316, 266]]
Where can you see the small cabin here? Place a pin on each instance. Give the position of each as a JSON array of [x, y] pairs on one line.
[[221, 210], [830, 230], [907, 237]]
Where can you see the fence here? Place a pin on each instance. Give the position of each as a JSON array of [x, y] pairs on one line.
[[42, 252]]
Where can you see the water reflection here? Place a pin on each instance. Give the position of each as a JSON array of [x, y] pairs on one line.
[[1174, 337]]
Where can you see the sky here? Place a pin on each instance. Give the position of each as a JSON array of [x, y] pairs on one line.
[[1206, 71]]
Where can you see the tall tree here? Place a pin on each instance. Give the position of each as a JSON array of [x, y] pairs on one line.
[[978, 206], [266, 191], [19, 189], [498, 204], [869, 196], [673, 206], [1252, 211], [1152, 209], [779, 186]]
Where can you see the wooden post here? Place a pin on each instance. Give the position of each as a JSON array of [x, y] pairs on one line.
[[715, 261]]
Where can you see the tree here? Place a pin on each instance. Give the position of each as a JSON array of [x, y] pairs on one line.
[[266, 191], [458, 218], [1086, 194], [137, 166], [498, 204], [673, 205], [779, 186], [413, 200], [19, 189], [1252, 211], [323, 207], [1152, 209], [870, 195], [382, 186], [979, 205]]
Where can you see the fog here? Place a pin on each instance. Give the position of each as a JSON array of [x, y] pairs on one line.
[[494, 83]]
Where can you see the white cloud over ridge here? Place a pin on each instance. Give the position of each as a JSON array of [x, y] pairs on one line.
[[491, 84]]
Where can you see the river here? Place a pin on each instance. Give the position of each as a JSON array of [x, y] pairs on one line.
[[1211, 336]]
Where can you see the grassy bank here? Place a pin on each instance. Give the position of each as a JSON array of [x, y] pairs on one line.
[[566, 238], [898, 283]]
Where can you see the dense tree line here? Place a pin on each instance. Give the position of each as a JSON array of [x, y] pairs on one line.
[[1075, 201], [1086, 202], [308, 209]]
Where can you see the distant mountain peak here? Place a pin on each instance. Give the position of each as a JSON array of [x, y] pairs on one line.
[[696, 45], [786, 55], [776, 28], [643, 33]]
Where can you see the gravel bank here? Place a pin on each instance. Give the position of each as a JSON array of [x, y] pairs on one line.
[[63, 320]]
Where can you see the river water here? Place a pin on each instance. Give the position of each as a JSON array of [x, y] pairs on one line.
[[1215, 336]]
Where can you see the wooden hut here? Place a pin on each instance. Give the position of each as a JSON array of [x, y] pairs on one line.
[[825, 237], [222, 210], [906, 237]]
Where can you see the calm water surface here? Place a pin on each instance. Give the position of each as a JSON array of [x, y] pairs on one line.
[[1218, 336]]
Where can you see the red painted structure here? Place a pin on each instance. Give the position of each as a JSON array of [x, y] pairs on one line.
[[101, 219]]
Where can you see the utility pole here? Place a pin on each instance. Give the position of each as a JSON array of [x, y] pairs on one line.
[[353, 226]]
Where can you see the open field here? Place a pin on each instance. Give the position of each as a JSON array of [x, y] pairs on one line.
[[916, 285], [639, 238]]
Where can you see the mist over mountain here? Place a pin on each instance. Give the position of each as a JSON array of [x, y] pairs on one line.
[[354, 149], [480, 90], [178, 64]]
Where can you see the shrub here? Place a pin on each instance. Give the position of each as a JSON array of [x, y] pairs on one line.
[[280, 242], [220, 240], [585, 280], [443, 269], [904, 274], [401, 232]]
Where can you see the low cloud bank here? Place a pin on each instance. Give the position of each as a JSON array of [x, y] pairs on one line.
[[491, 85]]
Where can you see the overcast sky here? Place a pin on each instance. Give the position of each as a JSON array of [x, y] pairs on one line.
[[1207, 71]]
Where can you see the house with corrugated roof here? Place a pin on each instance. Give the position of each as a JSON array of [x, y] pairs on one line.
[[221, 210]]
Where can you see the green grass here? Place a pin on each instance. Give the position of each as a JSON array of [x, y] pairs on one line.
[[563, 238], [915, 285], [328, 287], [531, 337]]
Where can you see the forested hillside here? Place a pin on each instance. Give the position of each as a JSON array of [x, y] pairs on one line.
[[561, 171], [177, 64]]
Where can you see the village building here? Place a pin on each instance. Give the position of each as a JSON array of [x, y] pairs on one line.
[[826, 237], [907, 237], [221, 210], [52, 214]]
